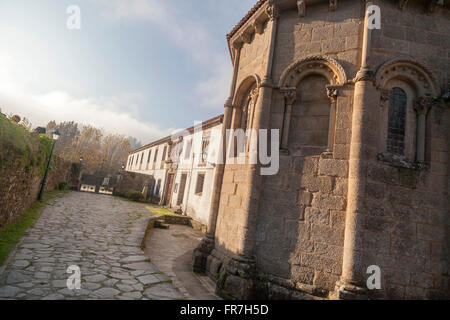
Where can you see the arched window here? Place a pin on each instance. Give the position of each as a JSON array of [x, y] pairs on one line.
[[248, 110], [397, 122], [310, 118], [242, 122]]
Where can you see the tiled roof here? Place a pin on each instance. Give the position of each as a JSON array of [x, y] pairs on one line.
[[246, 18]]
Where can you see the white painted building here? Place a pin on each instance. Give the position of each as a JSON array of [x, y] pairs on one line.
[[183, 167]]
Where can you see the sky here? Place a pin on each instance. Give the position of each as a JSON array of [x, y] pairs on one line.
[[141, 68]]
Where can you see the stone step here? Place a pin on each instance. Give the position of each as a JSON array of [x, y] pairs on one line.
[[160, 224]]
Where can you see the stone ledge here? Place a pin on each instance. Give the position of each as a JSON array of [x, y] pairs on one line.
[[401, 162], [171, 219]]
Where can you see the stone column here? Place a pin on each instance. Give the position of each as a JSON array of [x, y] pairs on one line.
[[237, 279], [422, 106], [352, 284], [290, 95], [332, 93], [207, 244], [261, 121]]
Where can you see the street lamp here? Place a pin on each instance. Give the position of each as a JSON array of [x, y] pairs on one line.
[[80, 173], [44, 181]]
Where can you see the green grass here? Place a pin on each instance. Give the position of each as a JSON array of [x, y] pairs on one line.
[[19, 148], [181, 235], [11, 235], [160, 210]]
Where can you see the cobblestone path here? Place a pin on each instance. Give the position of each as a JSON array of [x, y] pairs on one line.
[[100, 234]]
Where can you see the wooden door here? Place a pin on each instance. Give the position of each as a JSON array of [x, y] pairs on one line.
[[182, 188], [169, 189]]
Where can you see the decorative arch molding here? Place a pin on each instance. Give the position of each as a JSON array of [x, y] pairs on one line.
[[294, 74], [423, 95], [323, 65], [410, 71], [244, 87]]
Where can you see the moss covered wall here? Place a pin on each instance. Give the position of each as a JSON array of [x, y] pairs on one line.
[[23, 159]]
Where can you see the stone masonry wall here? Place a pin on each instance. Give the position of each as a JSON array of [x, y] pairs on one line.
[[301, 214], [407, 228], [132, 181], [300, 224], [19, 189]]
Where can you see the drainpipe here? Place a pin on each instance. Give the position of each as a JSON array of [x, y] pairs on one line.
[[352, 282]]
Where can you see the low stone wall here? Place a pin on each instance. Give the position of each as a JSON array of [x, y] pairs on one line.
[[170, 219], [131, 181], [181, 220], [23, 159], [150, 226], [17, 192], [61, 172], [20, 188]]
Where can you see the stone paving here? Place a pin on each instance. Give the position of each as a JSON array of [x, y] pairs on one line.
[[100, 234], [171, 251]]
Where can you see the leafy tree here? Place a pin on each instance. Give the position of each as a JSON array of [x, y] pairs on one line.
[[69, 132], [134, 143]]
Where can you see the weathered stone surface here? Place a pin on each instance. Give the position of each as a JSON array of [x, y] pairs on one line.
[[106, 293], [163, 291], [8, 291], [149, 279]]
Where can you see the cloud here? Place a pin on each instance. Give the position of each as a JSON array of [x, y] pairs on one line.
[[19, 94], [213, 90], [60, 106], [190, 36]]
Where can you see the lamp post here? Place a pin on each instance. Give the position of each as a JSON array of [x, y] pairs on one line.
[[80, 174], [44, 181], [119, 178]]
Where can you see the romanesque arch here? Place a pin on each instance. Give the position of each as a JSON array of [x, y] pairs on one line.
[[407, 93], [302, 83], [244, 104]]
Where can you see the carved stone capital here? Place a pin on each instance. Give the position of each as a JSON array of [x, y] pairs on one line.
[[229, 103], [333, 5], [290, 95], [254, 94], [423, 104], [237, 45], [301, 6], [364, 75], [402, 4], [272, 11], [385, 95], [332, 93]]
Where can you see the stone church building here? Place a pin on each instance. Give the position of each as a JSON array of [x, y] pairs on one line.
[[363, 184]]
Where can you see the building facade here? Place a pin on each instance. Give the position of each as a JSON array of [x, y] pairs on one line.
[[363, 184], [183, 167]]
